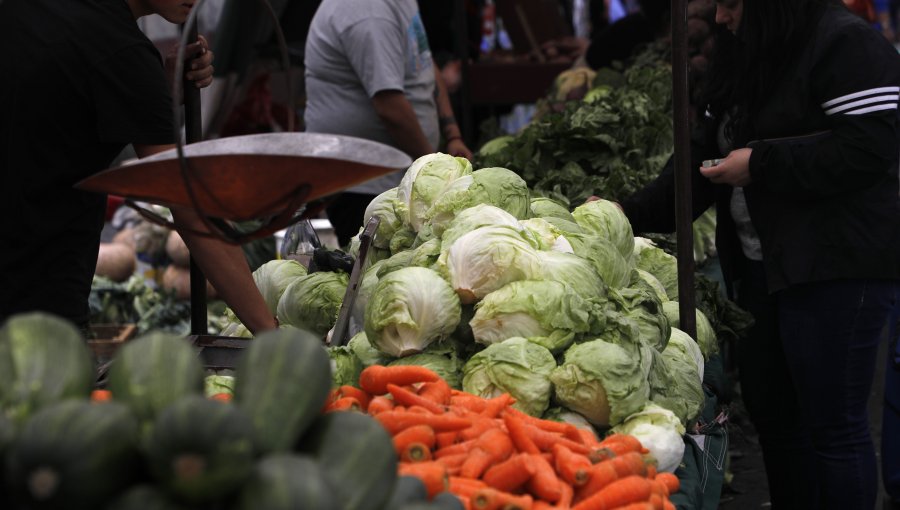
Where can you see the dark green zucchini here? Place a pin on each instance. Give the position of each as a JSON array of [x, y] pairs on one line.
[[143, 497], [406, 490], [200, 450], [283, 379], [357, 455], [285, 481], [74, 454]]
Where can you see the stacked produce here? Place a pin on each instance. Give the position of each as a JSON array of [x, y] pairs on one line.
[[491, 455], [501, 293], [152, 439]]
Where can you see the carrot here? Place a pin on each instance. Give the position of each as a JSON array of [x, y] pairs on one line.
[[480, 426], [406, 397], [476, 464], [568, 493], [544, 483], [495, 405], [510, 474], [668, 505], [395, 421], [351, 391], [572, 467], [519, 434], [433, 475], [221, 397], [669, 480], [548, 425], [545, 440], [542, 505], [379, 404], [651, 471], [375, 378], [601, 475], [642, 505], [631, 463], [453, 462], [104, 395], [497, 443], [463, 447], [445, 439], [631, 489], [656, 500], [415, 452], [344, 404], [492, 499], [467, 401], [465, 486], [436, 391], [588, 438], [622, 443]]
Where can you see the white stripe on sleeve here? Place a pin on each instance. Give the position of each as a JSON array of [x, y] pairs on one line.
[[855, 106], [869, 92]]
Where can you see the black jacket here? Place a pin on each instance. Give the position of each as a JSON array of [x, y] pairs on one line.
[[825, 207]]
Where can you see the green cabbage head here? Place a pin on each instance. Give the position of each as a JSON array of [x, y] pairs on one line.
[[496, 186], [605, 219], [383, 205], [409, 309], [659, 431], [542, 207], [706, 335], [312, 302], [515, 366], [273, 277], [424, 181]]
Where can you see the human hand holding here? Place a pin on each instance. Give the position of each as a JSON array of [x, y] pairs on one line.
[[456, 147], [198, 60], [733, 170]]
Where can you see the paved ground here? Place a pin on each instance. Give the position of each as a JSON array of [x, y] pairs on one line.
[[748, 489]]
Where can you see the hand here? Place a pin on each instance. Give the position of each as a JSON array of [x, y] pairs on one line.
[[456, 147], [197, 63], [734, 170]]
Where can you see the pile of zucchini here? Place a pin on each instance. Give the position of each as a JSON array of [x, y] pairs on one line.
[[159, 443]]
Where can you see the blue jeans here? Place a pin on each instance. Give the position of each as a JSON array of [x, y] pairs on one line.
[[806, 370], [830, 332], [890, 429]]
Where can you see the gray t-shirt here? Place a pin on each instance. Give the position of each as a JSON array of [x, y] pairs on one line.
[[355, 49]]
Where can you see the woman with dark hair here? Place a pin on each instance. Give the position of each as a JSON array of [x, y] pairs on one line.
[[802, 110]]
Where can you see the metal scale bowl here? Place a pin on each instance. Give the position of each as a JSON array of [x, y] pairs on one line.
[[275, 177]]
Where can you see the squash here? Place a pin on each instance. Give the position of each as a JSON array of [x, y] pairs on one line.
[[355, 452], [126, 237], [283, 481], [43, 359], [143, 497], [177, 251], [154, 370], [283, 379], [116, 261], [74, 454], [178, 279], [201, 450]]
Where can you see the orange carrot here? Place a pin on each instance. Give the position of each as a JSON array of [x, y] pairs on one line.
[[492, 499], [463, 447], [510, 474], [572, 467], [631, 489], [669, 480], [544, 483], [668, 505], [453, 462], [480, 426], [102, 395], [406, 397], [623, 443], [541, 505], [436, 391], [222, 397], [601, 475], [641, 505], [588, 438], [379, 404], [433, 474], [476, 464], [495, 405], [656, 499], [395, 421], [343, 404], [422, 434], [351, 391], [632, 463], [445, 439], [651, 471], [467, 401], [415, 452], [519, 434], [568, 493], [375, 378], [465, 486], [496, 442], [545, 440]]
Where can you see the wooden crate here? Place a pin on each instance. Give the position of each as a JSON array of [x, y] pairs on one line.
[[108, 338]]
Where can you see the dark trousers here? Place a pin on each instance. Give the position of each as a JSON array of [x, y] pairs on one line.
[[890, 428], [806, 372], [346, 214]]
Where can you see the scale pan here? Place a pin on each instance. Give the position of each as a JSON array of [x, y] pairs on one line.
[[247, 177]]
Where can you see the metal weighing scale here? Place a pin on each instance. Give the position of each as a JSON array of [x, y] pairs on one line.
[[281, 178]]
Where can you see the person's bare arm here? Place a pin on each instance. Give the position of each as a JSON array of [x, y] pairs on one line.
[[449, 128], [401, 122], [223, 264]]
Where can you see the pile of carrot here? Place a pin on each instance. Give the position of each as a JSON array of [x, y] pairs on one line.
[[495, 457]]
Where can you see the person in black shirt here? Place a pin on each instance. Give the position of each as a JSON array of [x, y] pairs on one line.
[[80, 82]]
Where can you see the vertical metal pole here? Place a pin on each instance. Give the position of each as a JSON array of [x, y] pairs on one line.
[[193, 132], [462, 52], [683, 213]]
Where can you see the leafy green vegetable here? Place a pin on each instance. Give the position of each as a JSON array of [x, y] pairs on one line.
[[515, 366]]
